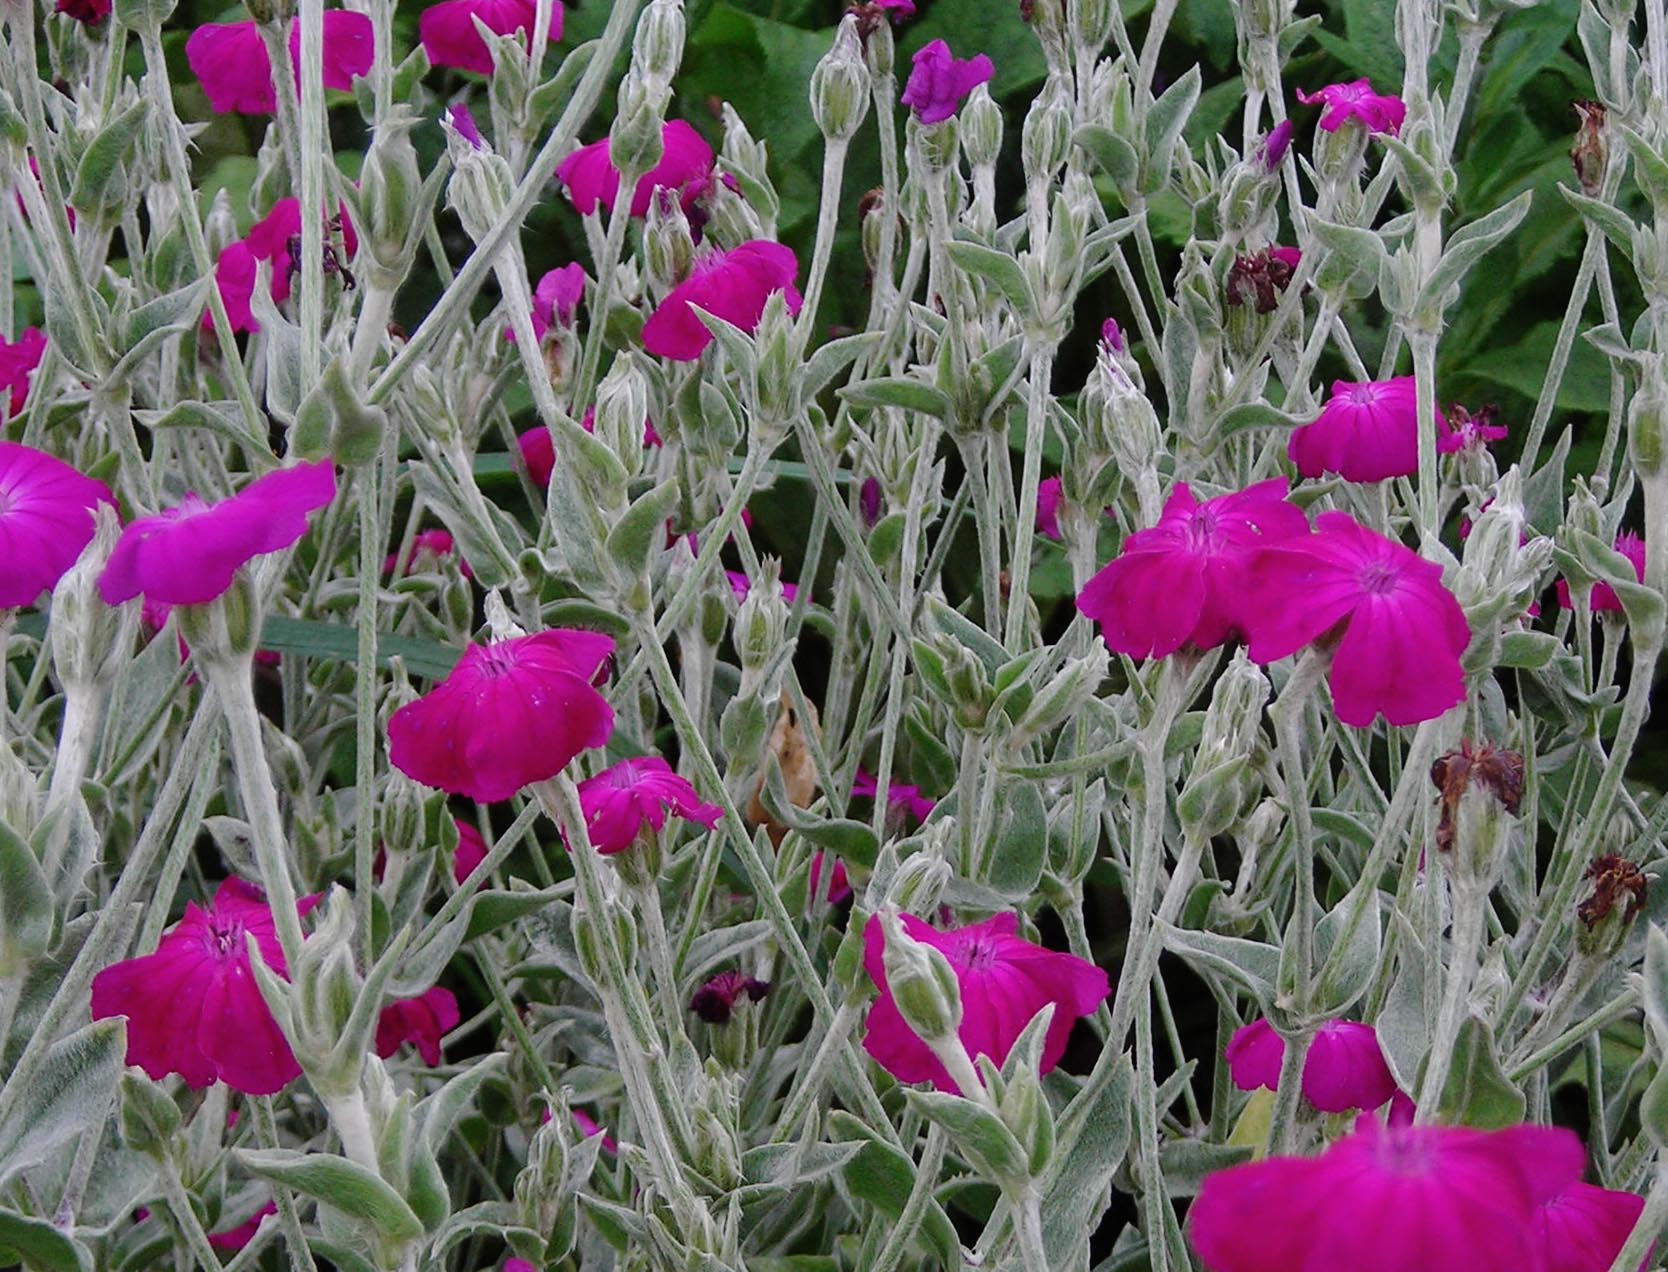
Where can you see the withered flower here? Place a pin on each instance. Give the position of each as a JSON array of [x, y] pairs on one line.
[[1498, 770], [1590, 150]]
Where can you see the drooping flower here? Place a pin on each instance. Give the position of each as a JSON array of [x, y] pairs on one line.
[[188, 555], [46, 520], [449, 37], [1049, 494], [619, 801], [1343, 1070], [234, 1239], [427, 546], [1604, 599], [591, 179], [1183, 581], [229, 58], [1584, 1228], [193, 1007], [18, 362], [741, 585], [509, 714], [1467, 432], [1389, 1199], [1403, 631], [556, 298], [939, 81], [717, 1000], [1260, 279], [1376, 112], [898, 795], [470, 852], [731, 285], [839, 885], [422, 1021], [1004, 981], [1366, 432]]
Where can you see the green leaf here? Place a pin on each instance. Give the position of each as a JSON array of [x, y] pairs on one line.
[[1252, 415], [883, 1175], [314, 638], [1348, 940], [832, 358], [39, 1246], [642, 526], [338, 1183], [1252, 965], [794, 1165], [1116, 157], [1021, 843], [1543, 492], [1091, 1138], [1361, 250], [1609, 220], [224, 418], [1478, 1092], [1531, 651], [910, 394], [1165, 121], [1470, 244], [997, 268], [25, 905], [977, 1133], [1522, 366], [102, 161]]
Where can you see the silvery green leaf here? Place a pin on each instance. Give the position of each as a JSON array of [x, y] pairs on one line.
[[1252, 965], [346, 1186], [1187, 1163], [997, 268], [1347, 944], [1611, 221], [1116, 157], [98, 176], [883, 1175], [224, 418], [1021, 842], [977, 1134], [26, 906], [1543, 491], [643, 526], [148, 326], [910, 394], [721, 945], [1470, 244], [1165, 121], [739, 349], [1404, 1024], [1362, 251], [1530, 650], [783, 1166], [1478, 1093], [828, 360], [1253, 415], [439, 1112], [39, 1246], [73, 1089], [1654, 985]]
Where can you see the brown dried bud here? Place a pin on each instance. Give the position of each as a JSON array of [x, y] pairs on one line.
[[1590, 150], [799, 774], [1493, 768], [1616, 882]]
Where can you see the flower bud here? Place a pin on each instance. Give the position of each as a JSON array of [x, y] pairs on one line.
[[668, 245], [872, 213], [91, 641], [622, 406], [1025, 1112], [761, 622], [920, 878], [657, 48], [149, 1117], [1046, 138], [480, 187], [1063, 257], [922, 982], [542, 1186], [1619, 889], [1591, 151], [931, 147], [1117, 416], [636, 141], [1210, 800], [1647, 425], [401, 814], [840, 85], [324, 986], [981, 128], [1047, 19], [389, 187]]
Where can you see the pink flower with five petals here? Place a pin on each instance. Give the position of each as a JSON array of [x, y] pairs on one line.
[[620, 801], [46, 520], [229, 58], [592, 180], [1376, 112], [1365, 432], [450, 38]]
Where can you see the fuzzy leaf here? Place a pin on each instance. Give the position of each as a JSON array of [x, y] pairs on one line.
[[337, 1182]]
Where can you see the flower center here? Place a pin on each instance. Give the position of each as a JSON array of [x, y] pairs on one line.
[[976, 954], [1379, 577], [227, 935], [1201, 530], [1363, 395], [1403, 1154], [498, 661]]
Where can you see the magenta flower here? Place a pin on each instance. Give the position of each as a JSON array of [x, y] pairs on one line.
[[1403, 632], [46, 520], [871, 502], [470, 852], [904, 798], [898, 10], [450, 38], [717, 1000], [1376, 112], [461, 119], [591, 178], [269, 239], [731, 285], [1467, 432], [1183, 581], [193, 1007], [619, 801], [509, 714], [1004, 980], [18, 362], [556, 298], [1584, 1228], [1344, 1068], [538, 452], [587, 1127], [1366, 432], [1271, 150], [427, 546], [230, 60], [86, 12], [940, 81], [189, 554], [234, 1239], [1049, 495], [1112, 336], [1389, 1199], [839, 884], [422, 1021], [1604, 599]]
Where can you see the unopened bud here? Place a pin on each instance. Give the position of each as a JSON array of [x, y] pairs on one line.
[[981, 128], [1591, 151], [325, 987], [389, 186], [668, 245], [541, 1187], [922, 982], [1211, 798], [636, 141], [1647, 426], [401, 813], [840, 85], [91, 641], [1045, 140], [1117, 416], [1047, 19], [480, 187], [657, 48], [149, 1117], [920, 879], [762, 621], [622, 406], [1025, 1112]]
